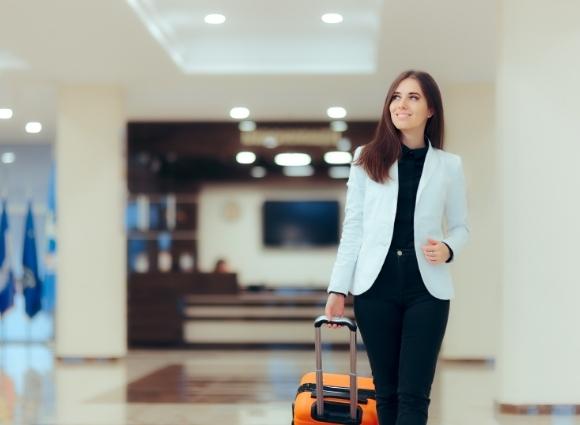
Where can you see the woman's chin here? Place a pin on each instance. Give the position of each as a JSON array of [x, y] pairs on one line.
[[403, 126]]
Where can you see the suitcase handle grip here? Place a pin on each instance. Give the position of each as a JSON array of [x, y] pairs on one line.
[[341, 321]]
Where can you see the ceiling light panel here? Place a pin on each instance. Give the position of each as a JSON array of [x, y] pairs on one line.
[[10, 61], [338, 126], [239, 112], [246, 157], [214, 19], [292, 159], [8, 157], [258, 172], [247, 125], [263, 39], [332, 18], [337, 157], [299, 171], [33, 127], [339, 172], [336, 112], [6, 113]]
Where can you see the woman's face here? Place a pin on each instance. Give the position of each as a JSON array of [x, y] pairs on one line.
[[408, 106]]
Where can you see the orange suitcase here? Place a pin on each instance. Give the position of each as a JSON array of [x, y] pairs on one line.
[[342, 399]]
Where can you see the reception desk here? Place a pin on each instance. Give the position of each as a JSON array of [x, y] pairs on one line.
[[208, 310], [156, 303]]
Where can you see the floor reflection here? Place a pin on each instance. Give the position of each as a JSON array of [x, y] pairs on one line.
[[203, 387], [27, 390]]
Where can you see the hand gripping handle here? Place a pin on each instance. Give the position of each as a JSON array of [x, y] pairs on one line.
[[342, 321]]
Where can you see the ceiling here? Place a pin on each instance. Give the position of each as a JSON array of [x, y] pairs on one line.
[[275, 57]]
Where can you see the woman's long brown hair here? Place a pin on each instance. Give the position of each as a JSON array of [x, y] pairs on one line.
[[381, 153]]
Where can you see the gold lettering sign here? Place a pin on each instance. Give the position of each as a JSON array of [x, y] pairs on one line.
[[291, 136]]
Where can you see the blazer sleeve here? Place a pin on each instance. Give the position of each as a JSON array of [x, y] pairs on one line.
[[456, 212], [342, 275]]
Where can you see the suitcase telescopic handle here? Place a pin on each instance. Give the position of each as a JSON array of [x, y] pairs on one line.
[[343, 321]]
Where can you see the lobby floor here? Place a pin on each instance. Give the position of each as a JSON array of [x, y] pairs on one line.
[[210, 387]]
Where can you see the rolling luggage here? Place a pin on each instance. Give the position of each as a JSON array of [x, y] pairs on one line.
[[342, 399]]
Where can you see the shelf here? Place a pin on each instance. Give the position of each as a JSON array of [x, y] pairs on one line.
[[154, 234], [161, 197]]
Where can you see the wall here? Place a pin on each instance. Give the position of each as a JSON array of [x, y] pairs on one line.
[[239, 240]]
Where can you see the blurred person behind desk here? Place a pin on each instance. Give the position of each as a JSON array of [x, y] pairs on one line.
[[222, 280], [222, 266]]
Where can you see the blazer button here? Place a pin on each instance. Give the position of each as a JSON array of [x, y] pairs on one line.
[[399, 252]]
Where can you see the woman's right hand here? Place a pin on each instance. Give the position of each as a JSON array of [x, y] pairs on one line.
[[334, 308]]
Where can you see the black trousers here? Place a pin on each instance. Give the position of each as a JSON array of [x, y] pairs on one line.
[[402, 326]]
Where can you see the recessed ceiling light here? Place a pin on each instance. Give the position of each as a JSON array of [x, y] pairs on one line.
[[239, 113], [214, 19], [292, 159], [300, 171], [246, 157], [247, 125], [336, 112], [338, 126], [270, 142], [5, 113], [8, 157], [331, 18], [339, 172], [33, 127], [343, 144], [337, 157], [258, 172]]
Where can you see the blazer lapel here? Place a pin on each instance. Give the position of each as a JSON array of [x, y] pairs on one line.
[[429, 167]]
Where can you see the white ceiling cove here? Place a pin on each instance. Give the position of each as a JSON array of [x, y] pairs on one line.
[[265, 37]]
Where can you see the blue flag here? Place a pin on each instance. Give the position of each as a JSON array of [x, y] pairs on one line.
[[7, 287], [49, 283], [32, 287]]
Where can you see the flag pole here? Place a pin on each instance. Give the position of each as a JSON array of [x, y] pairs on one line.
[[2, 343]]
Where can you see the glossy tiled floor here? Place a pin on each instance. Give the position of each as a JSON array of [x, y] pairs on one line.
[[208, 387]]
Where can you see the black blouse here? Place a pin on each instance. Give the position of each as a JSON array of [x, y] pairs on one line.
[[410, 170]]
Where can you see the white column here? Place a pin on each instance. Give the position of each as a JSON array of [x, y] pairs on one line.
[[472, 332], [91, 309], [538, 118]]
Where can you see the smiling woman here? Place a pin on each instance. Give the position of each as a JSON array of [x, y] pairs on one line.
[[393, 252]]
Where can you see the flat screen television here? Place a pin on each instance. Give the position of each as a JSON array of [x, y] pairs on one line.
[[300, 223]]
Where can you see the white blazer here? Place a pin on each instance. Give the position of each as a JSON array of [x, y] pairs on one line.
[[369, 219]]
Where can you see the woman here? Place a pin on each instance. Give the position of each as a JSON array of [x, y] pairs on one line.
[[393, 254], [221, 266]]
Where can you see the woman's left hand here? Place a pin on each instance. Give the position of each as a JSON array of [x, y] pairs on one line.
[[436, 252]]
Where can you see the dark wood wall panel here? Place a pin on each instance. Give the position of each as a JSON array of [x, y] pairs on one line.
[[179, 156]]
